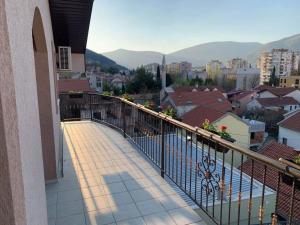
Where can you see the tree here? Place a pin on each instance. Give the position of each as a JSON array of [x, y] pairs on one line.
[[158, 74], [196, 81], [169, 80], [106, 86], [274, 81]]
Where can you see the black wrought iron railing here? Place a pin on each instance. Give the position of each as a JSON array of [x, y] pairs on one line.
[[230, 184]]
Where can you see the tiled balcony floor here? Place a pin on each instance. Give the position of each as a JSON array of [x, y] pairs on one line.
[[108, 181]]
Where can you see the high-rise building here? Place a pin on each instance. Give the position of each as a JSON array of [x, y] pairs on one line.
[[238, 63], [213, 68], [283, 60], [182, 68], [151, 68]]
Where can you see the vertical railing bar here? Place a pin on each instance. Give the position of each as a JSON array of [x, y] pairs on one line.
[[230, 188], [185, 159], [251, 190], [173, 156], [222, 185], [196, 164], [291, 211], [162, 158], [240, 189], [177, 151], [261, 210], [181, 157], [191, 161]]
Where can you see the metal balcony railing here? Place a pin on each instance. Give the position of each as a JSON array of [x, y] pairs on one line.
[[230, 184]]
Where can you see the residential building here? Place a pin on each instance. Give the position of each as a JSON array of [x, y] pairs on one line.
[[152, 68], [186, 100], [240, 101], [283, 60], [290, 81], [238, 63], [282, 103], [37, 40], [247, 78], [173, 68], [275, 151], [213, 68], [289, 130], [182, 68], [271, 92]]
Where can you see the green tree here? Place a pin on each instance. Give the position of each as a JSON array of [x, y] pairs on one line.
[[106, 86], [169, 80], [274, 81], [196, 81]]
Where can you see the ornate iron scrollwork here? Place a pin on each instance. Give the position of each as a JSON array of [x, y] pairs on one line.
[[209, 178]]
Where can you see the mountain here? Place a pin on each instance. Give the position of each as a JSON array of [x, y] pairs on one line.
[[133, 59], [292, 43], [105, 62], [201, 54]]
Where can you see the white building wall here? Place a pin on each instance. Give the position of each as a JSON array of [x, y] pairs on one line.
[[293, 137], [20, 18], [266, 94], [295, 94], [253, 105], [78, 63]]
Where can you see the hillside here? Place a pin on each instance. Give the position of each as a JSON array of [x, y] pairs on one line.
[[105, 62], [201, 54]]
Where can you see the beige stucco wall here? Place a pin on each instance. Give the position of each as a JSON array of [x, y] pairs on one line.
[[19, 19], [78, 63], [240, 132]]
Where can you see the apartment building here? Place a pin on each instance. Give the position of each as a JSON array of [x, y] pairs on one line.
[[38, 38], [290, 81], [247, 78], [237, 63], [283, 60], [152, 68], [182, 68], [213, 68]]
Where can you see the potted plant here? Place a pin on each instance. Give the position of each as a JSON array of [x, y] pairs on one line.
[[288, 179], [222, 133], [106, 95]]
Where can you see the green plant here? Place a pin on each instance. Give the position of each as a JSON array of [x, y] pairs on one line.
[[128, 97], [169, 111], [209, 127], [297, 159], [149, 105], [223, 132], [106, 93]]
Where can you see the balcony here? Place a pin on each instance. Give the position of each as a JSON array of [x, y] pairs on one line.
[[131, 165]]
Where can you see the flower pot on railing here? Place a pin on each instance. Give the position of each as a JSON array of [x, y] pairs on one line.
[[215, 145]]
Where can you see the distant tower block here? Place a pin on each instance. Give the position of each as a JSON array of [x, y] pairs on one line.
[[163, 73]]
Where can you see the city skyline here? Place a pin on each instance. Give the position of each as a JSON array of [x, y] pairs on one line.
[[172, 25]]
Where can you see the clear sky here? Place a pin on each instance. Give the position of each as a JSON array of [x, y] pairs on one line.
[[170, 25]]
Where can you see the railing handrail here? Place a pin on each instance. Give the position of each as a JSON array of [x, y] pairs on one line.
[[279, 165]]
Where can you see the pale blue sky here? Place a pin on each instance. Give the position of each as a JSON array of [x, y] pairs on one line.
[[170, 25]]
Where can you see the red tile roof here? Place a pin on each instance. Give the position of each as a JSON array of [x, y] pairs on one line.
[[292, 122], [278, 91], [201, 88], [197, 116], [275, 151], [73, 85], [212, 99], [283, 101], [241, 95]]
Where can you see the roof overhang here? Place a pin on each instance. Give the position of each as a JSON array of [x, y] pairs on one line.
[[70, 23]]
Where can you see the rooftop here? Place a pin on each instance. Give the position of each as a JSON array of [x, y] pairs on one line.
[[275, 151], [278, 91], [213, 99], [292, 122], [73, 85], [283, 101], [197, 116]]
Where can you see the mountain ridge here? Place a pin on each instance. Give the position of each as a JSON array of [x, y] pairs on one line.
[[203, 53]]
